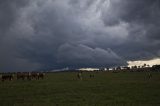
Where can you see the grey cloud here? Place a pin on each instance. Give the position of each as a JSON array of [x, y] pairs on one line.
[[83, 56], [8, 12], [54, 34], [143, 27]]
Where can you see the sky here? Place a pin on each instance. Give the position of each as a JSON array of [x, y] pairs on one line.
[[55, 34], [144, 62]]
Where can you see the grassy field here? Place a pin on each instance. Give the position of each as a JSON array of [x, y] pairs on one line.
[[64, 89]]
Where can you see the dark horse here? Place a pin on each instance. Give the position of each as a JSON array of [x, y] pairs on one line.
[[7, 77]]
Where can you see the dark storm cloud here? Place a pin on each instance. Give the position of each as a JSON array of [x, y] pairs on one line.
[[84, 56], [8, 11], [143, 27], [54, 34]]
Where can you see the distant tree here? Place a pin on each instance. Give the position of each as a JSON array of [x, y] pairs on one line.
[[135, 67]]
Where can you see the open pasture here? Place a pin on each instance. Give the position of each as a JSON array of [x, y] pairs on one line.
[[65, 89]]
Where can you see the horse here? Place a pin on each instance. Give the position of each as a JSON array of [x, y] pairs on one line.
[[7, 77]]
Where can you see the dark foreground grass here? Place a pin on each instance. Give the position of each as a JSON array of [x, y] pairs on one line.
[[64, 89]]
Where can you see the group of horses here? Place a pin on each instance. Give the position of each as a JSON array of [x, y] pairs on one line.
[[23, 76], [91, 75], [79, 76]]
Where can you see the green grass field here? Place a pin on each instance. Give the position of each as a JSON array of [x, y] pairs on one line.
[[64, 89]]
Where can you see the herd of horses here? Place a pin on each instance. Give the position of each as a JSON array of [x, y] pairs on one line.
[[79, 75], [40, 75], [23, 76]]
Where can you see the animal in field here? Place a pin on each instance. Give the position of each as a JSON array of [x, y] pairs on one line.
[[35, 75], [29, 75], [79, 75], [7, 77], [149, 75], [24, 75], [20, 76], [41, 75], [91, 76]]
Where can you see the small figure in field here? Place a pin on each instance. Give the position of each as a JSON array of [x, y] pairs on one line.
[[35, 75], [149, 75], [20, 76], [91, 76], [41, 75], [79, 75]]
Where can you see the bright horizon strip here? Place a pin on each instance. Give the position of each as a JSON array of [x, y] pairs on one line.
[[88, 69], [142, 62]]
